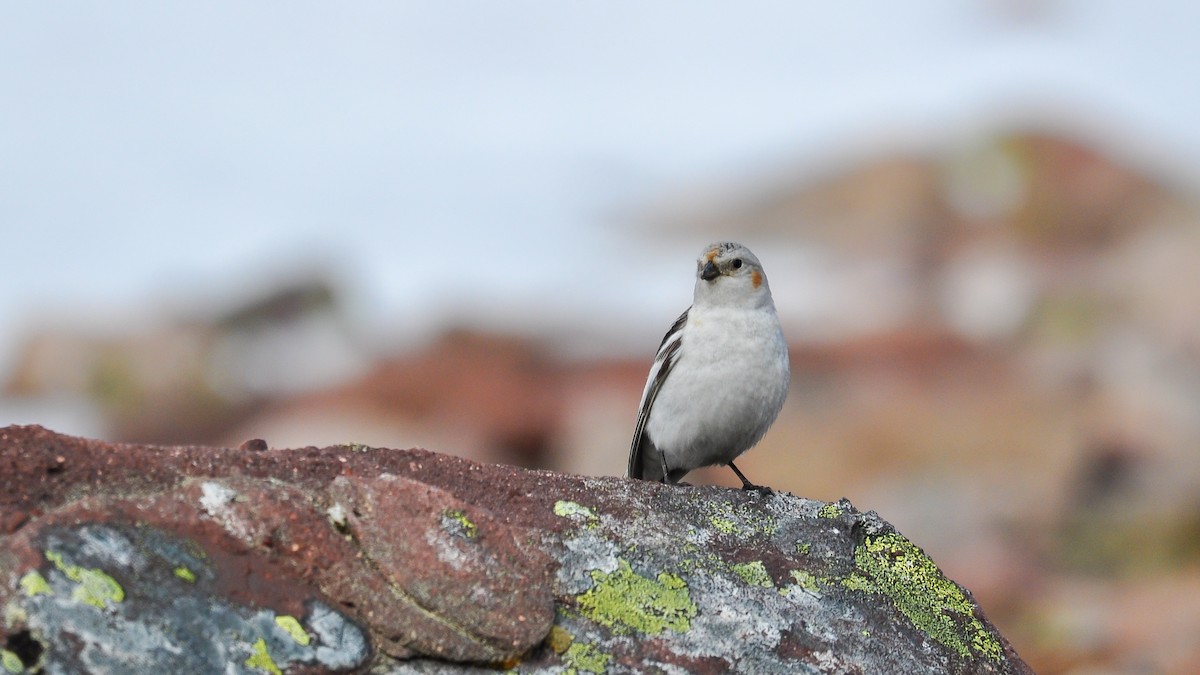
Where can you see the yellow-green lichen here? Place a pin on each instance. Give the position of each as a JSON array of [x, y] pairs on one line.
[[586, 658], [261, 659], [754, 573], [806, 580], [459, 521], [559, 640], [94, 586], [727, 518], [11, 662], [186, 574], [33, 583], [14, 613], [292, 627], [699, 559], [830, 511], [574, 511], [567, 509], [893, 566], [803, 548], [624, 600], [723, 525]]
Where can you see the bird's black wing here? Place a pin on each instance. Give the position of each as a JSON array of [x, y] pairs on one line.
[[664, 361]]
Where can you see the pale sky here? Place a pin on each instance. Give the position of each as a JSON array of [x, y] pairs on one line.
[[453, 157]]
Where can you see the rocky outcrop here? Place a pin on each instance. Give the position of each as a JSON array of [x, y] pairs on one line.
[[126, 558]]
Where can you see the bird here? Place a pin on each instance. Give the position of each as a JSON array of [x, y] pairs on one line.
[[720, 376]]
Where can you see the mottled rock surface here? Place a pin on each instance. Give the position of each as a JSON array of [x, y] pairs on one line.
[[126, 558]]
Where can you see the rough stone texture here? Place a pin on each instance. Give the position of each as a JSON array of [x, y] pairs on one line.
[[124, 558]]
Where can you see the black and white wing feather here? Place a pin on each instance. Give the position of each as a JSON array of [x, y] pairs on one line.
[[664, 361]]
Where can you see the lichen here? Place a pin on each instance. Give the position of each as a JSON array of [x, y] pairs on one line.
[[728, 518], [33, 583], [857, 582], [803, 548], [94, 587], [624, 600], [574, 511], [292, 627], [261, 659], [559, 639], [457, 522], [186, 574], [723, 525], [893, 566], [214, 497], [754, 573], [338, 518], [587, 658], [14, 613], [831, 510], [806, 580], [340, 644], [11, 662], [566, 509]]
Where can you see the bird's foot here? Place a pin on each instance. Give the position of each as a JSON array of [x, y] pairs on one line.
[[747, 485], [760, 489]]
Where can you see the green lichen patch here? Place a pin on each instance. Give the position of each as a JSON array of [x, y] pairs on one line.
[[456, 522], [183, 572], [857, 582], [33, 583], [261, 659], [94, 587], [728, 518], [625, 600], [723, 525], [573, 511], [586, 658], [893, 566], [11, 662], [292, 627], [754, 573], [698, 558], [804, 548], [831, 511], [806, 580], [559, 640]]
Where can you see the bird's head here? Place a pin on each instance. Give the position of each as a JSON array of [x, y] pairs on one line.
[[727, 273]]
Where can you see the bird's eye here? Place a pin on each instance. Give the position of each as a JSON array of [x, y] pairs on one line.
[[737, 263]]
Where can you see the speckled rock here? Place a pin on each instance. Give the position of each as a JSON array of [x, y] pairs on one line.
[[125, 558]]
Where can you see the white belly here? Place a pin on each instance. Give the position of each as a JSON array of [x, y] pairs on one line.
[[724, 392]]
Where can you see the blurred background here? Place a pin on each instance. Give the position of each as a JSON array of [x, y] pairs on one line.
[[466, 226]]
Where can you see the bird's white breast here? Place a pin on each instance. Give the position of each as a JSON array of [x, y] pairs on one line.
[[725, 390]]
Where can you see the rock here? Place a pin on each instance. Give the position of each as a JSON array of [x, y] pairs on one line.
[[130, 558]]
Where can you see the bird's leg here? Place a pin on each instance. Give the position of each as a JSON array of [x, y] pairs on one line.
[[747, 485], [666, 477]]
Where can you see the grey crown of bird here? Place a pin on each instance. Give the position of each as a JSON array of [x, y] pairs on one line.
[[720, 376]]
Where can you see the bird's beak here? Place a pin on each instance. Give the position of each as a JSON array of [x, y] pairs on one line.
[[709, 272]]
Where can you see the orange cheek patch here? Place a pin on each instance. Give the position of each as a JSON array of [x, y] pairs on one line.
[[712, 254], [756, 278]]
